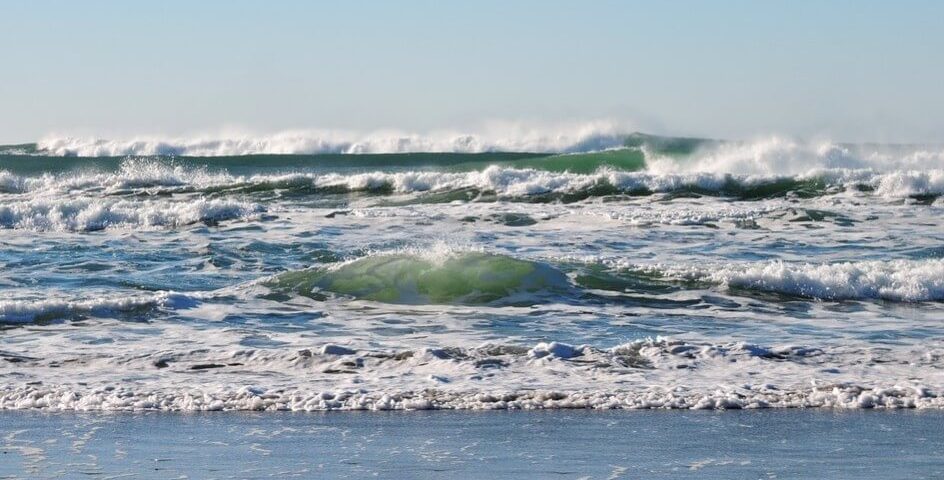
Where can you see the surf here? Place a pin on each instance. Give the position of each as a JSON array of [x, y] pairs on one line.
[[470, 278]]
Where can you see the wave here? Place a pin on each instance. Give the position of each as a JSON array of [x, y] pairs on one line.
[[27, 311], [151, 176], [86, 215], [893, 280], [468, 278]]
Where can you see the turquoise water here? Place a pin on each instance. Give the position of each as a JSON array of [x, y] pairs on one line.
[[655, 273]]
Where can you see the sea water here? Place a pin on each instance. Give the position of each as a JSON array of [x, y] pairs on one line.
[[595, 270]]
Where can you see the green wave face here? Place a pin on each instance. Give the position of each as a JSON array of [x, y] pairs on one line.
[[467, 279], [629, 159]]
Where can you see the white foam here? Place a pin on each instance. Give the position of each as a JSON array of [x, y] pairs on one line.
[[120, 398], [910, 183], [650, 373]]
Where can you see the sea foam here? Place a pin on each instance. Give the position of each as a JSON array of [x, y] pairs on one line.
[[652, 373]]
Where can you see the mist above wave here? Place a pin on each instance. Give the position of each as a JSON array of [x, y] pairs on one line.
[[509, 138], [783, 156]]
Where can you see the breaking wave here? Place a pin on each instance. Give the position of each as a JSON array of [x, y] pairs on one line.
[[153, 176], [893, 280], [508, 138]]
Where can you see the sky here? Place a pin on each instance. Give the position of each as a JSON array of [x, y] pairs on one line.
[[846, 70]]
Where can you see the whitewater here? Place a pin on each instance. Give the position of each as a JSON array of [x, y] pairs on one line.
[[517, 268]]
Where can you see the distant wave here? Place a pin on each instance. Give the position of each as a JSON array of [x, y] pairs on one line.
[[579, 138]]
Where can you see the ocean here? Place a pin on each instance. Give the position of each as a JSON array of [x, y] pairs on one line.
[[597, 270]]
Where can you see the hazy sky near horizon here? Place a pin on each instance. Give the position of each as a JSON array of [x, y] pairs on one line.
[[847, 70]]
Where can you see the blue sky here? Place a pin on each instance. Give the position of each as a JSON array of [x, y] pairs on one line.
[[848, 70]]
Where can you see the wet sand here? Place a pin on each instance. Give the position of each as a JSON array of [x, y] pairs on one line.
[[812, 443]]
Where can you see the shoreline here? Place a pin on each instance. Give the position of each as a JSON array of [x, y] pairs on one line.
[[785, 443]]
